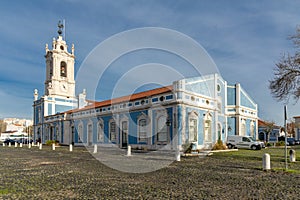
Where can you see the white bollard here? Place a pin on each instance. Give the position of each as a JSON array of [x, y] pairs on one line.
[[29, 145], [266, 162], [53, 146], [95, 148], [3, 144], [16, 144], [9, 144], [21, 144], [41, 146], [292, 155], [71, 147], [177, 154], [129, 151], [38, 144], [32, 144]]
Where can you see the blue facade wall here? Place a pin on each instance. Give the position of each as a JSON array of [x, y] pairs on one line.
[[50, 109], [200, 113], [231, 96], [198, 85], [61, 108], [245, 100], [231, 121]]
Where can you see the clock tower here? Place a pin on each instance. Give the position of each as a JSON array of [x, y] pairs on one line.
[[60, 68]]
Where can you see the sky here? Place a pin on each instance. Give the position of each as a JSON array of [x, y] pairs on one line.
[[245, 39]]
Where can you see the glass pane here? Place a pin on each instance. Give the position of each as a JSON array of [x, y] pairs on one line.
[[162, 137], [124, 126]]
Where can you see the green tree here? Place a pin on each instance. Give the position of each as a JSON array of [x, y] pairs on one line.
[[286, 80]]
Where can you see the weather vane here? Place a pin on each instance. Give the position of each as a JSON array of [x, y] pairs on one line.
[[60, 27]]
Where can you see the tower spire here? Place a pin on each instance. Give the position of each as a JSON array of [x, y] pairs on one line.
[[61, 28]]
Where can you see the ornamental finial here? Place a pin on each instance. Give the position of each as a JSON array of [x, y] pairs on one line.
[[60, 27]]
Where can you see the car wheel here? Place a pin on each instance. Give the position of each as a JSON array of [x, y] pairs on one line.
[[230, 146], [253, 147]]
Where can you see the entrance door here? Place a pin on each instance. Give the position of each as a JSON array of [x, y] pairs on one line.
[[51, 133], [72, 134], [124, 134]]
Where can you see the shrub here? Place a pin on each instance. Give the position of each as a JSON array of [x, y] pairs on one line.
[[219, 145], [187, 148], [280, 143], [50, 142], [269, 144]]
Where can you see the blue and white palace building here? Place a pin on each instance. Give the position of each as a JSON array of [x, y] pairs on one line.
[[179, 114]]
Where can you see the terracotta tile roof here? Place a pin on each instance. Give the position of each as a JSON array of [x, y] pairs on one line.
[[127, 98], [262, 123]]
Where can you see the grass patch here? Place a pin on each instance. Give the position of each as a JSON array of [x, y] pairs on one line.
[[254, 158], [293, 171], [4, 191]]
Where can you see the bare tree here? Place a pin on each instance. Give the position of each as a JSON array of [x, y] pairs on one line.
[[269, 129], [286, 81], [291, 128]]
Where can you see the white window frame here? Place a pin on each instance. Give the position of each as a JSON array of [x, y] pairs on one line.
[[252, 129], [162, 130], [207, 126], [243, 127], [100, 131], [112, 135], [193, 136], [142, 130], [90, 129], [80, 132]]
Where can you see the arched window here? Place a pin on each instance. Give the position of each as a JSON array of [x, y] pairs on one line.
[[142, 126], [80, 133], [243, 127], [124, 135], [207, 128], [162, 131], [63, 69], [100, 132], [57, 133], [112, 131], [90, 133], [219, 131], [252, 129], [193, 127]]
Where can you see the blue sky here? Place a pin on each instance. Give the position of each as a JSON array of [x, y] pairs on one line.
[[244, 38]]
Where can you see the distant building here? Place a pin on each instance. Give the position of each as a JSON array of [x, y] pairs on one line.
[[264, 127], [297, 127], [16, 124], [199, 110]]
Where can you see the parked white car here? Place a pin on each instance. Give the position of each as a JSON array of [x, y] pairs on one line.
[[243, 142]]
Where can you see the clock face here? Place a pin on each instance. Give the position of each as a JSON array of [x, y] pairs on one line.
[[64, 87]]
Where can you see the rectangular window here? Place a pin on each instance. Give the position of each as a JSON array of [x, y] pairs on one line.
[[169, 97], [100, 132], [207, 131], [142, 130], [162, 133], [193, 131], [90, 134], [80, 133], [155, 100], [112, 132]]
